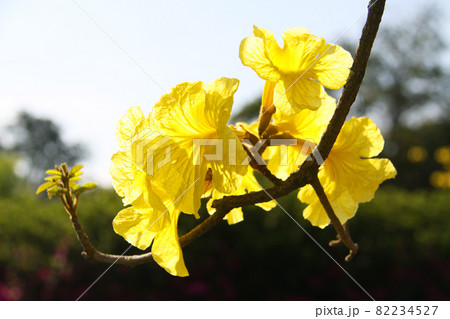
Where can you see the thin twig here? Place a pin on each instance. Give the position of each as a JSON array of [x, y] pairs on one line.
[[338, 240], [342, 233], [262, 168]]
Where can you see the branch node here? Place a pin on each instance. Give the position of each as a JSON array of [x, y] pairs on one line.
[[353, 252]]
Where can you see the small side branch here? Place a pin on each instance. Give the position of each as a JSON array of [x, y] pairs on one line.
[[262, 168], [338, 239], [91, 253], [342, 233]]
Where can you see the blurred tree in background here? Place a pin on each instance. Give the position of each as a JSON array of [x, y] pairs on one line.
[[39, 143], [407, 82], [248, 113], [9, 181], [405, 78]]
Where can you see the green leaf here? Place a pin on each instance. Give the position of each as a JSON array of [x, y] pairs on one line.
[[75, 169], [55, 190], [74, 186], [45, 186], [53, 172], [52, 178], [75, 178], [85, 187], [89, 185]]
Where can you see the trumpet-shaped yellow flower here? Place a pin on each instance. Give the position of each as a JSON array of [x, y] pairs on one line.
[[194, 116], [152, 217], [301, 132], [130, 182], [350, 174], [299, 70], [162, 163], [249, 184], [141, 225]]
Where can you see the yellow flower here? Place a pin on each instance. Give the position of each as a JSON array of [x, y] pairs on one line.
[[152, 217], [298, 71], [163, 160], [249, 184], [350, 174], [306, 129], [193, 117], [141, 225], [129, 181]]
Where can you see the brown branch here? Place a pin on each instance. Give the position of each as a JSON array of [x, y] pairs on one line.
[[351, 88], [262, 168], [342, 233], [298, 179], [338, 240], [89, 251]]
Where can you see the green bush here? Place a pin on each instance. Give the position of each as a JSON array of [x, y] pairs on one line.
[[403, 237]]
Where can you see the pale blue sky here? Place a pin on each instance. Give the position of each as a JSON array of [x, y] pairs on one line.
[[56, 62]]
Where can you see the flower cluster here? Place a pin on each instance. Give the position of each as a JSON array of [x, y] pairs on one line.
[[184, 150]]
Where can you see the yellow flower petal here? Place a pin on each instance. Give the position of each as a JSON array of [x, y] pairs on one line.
[[166, 249], [139, 227], [299, 51], [181, 178], [283, 160], [252, 54], [307, 124], [271, 47], [126, 127], [375, 172], [181, 112], [121, 172], [196, 108], [227, 172], [344, 207], [132, 183], [235, 216], [292, 94], [306, 194], [307, 127], [127, 181], [249, 184], [348, 164], [361, 137], [315, 213], [219, 100], [333, 66]]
